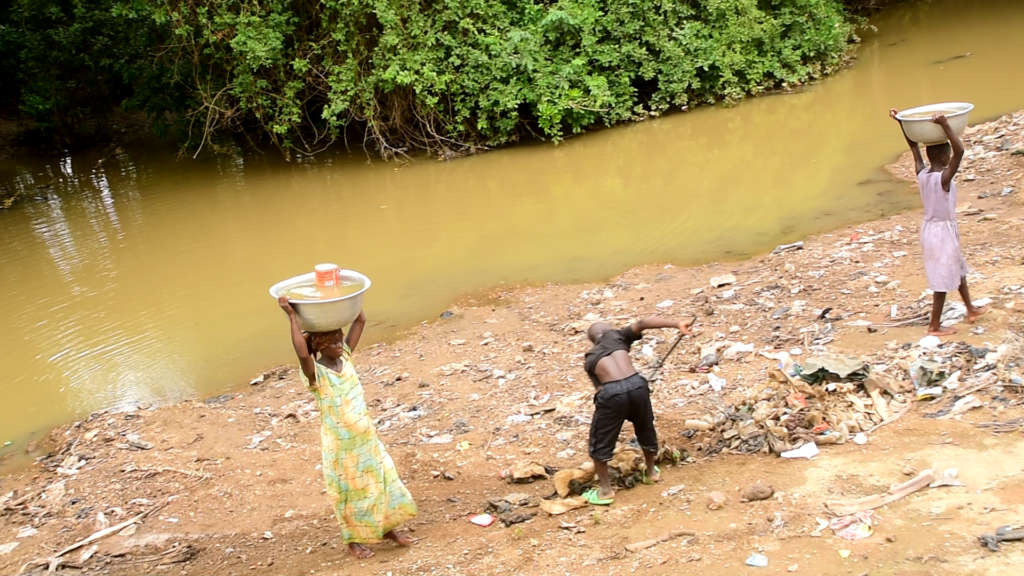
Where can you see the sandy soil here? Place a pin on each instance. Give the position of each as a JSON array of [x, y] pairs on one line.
[[220, 502]]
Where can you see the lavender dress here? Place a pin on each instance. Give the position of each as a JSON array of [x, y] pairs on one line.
[[944, 265]]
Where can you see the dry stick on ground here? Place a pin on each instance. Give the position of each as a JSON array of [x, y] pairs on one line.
[[1002, 427], [914, 320], [101, 534], [848, 507], [16, 503], [644, 544], [984, 384]]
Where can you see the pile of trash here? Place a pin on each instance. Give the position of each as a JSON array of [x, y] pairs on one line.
[[828, 399], [833, 398]]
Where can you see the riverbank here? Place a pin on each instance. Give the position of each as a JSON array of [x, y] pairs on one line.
[[232, 484]]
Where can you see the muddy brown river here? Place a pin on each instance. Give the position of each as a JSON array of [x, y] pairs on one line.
[[141, 278]]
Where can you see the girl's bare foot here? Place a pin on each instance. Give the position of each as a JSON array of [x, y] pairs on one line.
[[400, 538], [359, 551], [973, 313], [942, 331]]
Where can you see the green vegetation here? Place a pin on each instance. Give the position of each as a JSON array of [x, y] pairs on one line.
[[67, 64], [445, 76]]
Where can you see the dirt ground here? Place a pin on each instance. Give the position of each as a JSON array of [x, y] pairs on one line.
[[233, 484]]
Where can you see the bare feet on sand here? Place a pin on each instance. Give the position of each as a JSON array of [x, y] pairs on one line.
[[973, 315], [359, 551], [400, 538], [942, 331]]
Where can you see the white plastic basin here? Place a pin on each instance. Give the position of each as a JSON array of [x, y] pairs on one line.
[[325, 315], [923, 131]]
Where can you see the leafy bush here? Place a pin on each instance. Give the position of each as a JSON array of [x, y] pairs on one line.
[[67, 64], [447, 76]]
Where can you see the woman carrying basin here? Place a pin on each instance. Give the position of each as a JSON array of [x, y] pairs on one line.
[[363, 486]]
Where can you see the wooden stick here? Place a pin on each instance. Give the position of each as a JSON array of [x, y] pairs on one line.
[[644, 544], [848, 507], [19, 501], [987, 381], [108, 531], [902, 323]]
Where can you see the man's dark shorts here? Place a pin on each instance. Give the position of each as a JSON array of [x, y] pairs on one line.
[[616, 402]]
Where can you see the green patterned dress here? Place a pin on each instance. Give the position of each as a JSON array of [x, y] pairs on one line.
[[362, 483]]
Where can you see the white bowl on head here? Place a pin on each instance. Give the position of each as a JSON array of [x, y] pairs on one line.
[[325, 315], [923, 131]]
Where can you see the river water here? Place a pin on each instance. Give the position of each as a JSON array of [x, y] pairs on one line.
[[142, 278]]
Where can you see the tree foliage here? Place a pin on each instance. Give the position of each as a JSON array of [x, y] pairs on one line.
[[66, 64], [447, 76]]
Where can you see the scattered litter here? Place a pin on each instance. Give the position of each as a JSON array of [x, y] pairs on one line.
[[844, 554], [665, 304], [719, 281], [673, 490], [27, 532], [484, 520], [788, 247], [926, 373], [817, 369], [963, 405], [510, 519], [8, 548], [855, 526], [948, 479], [737, 351], [136, 442], [808, 450], [716, 382], [708, 361], [257, 439], [526, 471], [441, 439], [1003, 534], [860, 438], [758, 560], [556, 507]]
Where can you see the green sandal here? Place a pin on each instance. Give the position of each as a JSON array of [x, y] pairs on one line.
[[648, 481], [592, 496]]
